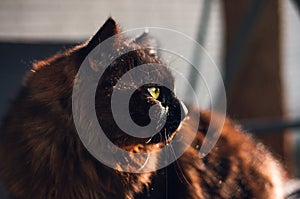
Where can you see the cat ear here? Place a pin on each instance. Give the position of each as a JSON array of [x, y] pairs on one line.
[[109, 29], [146, 41]]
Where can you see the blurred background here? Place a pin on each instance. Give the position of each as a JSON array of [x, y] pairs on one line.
[[255, 44]]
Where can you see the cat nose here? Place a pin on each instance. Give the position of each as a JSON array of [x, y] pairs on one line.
[[184, 110]]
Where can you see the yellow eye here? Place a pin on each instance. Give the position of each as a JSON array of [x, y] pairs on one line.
[[154, 92]]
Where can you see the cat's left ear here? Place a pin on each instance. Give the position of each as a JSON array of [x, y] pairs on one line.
[[109, 29]]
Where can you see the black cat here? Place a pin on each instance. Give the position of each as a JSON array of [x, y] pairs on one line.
[[41, 155]]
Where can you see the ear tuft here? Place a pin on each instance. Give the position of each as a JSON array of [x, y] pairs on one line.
[[109, 29]]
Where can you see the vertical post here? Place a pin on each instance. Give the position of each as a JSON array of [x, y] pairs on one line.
[[255, 89]]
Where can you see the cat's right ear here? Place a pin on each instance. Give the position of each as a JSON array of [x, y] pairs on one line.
[[146, 41], [109, 29]]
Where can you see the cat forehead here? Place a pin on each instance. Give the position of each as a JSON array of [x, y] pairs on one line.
[[149, 75]]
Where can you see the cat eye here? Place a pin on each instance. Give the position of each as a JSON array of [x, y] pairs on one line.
[[154, 92]]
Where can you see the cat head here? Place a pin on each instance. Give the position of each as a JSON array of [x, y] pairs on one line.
[[169, 111]]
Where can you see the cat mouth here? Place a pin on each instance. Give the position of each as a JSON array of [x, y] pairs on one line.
[[167, 134], [164, 137], [160, 137]]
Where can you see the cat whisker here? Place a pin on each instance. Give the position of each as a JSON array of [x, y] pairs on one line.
[[166, 137], [148, 141], [178, 168], [160, 138]]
